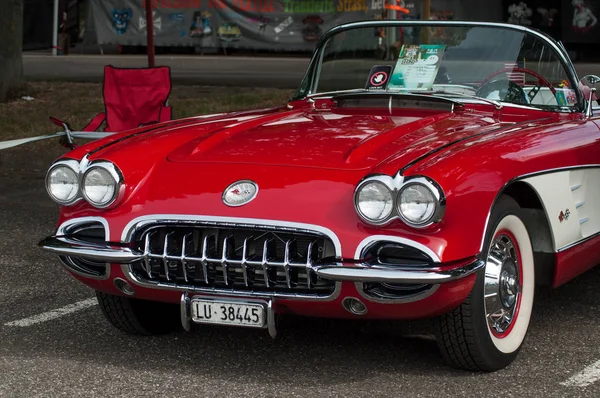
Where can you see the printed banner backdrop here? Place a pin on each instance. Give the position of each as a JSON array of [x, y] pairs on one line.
[[544, 15], [581, 21], [286, 25]]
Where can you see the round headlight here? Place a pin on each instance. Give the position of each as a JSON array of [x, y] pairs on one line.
[[62, 184], [417, 204], [374, 201], [99, 186]]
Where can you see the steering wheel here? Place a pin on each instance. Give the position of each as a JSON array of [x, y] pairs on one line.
[[514, 92]]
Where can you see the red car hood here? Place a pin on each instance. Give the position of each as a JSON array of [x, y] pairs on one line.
[[330, 139]]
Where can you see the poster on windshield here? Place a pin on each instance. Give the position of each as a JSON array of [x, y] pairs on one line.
[[417, 67]]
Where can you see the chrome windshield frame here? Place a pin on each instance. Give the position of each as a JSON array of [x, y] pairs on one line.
[[312, 73]]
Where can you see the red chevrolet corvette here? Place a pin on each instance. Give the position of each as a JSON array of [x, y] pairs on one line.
[[439, 170]]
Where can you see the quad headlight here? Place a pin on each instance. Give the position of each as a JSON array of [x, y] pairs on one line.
[[62, 182], [99, 183], [374, 202], [417, 201]]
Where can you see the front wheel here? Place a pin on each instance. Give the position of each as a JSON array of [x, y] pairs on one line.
[[139, 317], [487, 330]]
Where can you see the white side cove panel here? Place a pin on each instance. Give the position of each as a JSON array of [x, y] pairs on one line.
[[572, 201]]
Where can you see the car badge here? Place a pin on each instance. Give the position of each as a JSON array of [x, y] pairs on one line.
[[240, 192]]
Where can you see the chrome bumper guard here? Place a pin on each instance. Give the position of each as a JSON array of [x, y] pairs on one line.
[[351, 272]]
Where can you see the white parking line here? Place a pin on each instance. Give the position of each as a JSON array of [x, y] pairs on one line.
[[587, 376], [57, 313]]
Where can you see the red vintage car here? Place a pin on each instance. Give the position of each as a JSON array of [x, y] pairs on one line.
[[442, 170]]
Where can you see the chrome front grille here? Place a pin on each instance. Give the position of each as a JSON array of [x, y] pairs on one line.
[[234, 257]]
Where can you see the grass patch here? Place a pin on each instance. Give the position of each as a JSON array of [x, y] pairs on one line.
[[77, 103]]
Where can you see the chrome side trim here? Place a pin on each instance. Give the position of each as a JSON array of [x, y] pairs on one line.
[[226, 292], [400, 300], [583, 240], [365, 243], [139, 222]]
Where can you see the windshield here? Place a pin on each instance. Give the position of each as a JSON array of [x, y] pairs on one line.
[[486, 62]]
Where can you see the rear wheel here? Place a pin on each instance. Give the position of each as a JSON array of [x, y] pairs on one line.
[[486, 331], [139, 317]]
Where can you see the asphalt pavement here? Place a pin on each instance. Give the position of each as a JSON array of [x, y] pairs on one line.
[[201, 70], [55, 342]]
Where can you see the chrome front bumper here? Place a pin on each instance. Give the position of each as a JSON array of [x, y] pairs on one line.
[[342, 271]]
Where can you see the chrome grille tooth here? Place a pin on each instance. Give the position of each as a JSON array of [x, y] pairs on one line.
[[224, 259], [244, 260], [203, 259], [265, 260], [286, 262], [183, 250], [309, 264], [165, 255], [147, 254]]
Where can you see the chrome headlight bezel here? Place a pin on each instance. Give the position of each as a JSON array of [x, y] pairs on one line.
[[439, 203], [73, 165], [397, 185], [81, 169], [116, 176], [383, 181]]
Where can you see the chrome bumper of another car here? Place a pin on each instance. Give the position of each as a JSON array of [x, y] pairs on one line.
[[351, 272]]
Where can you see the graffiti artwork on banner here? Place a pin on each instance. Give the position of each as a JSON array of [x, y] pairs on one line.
[[172, 3], [120, 20], [262, 22], [311, 30], [255, 5], [283, 25], [309, 6], [229, 32], [352, 5], [178, 20], [547, 16], [583, 17], [520, 14], [157, 22], [377, 5], [201, 24]]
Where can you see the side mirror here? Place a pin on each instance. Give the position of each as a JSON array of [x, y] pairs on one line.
[[587, 86]]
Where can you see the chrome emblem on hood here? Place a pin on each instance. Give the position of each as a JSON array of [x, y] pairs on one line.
[[240, 192]]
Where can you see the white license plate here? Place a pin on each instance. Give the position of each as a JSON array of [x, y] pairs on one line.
[[228, 313]]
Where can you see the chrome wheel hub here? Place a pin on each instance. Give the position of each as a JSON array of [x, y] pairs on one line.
[[503, 284]]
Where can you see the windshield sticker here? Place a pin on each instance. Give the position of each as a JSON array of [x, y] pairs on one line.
[[417, 67], [379, 76]]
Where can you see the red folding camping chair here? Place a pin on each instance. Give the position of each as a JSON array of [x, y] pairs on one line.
[[132, 98]]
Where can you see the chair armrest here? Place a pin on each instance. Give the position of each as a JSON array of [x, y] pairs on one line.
[[95, 123], [165, 114]]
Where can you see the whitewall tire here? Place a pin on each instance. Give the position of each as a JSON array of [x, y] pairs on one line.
[[487, 331]]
